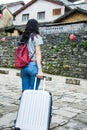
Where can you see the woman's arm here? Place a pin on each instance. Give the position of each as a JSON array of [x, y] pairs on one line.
[[38, 60]]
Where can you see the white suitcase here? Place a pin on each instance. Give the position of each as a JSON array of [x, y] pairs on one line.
[[34, 110]]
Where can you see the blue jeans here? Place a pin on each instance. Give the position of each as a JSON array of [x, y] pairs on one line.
[[28, 74]]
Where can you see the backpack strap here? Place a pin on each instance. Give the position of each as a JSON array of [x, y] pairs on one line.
[[32, 55]]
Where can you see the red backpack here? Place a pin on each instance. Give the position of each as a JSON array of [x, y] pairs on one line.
[[22, 56]]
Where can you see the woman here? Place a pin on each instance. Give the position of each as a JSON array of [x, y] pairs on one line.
[[32, 37]]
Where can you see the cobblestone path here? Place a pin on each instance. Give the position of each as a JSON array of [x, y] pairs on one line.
[[69, 109]]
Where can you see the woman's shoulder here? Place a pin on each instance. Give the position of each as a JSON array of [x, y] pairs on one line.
[[37, 36], [38, 39]]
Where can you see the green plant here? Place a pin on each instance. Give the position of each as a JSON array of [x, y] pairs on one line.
[[11, 46], [4, 34], [0, 42], [66, 41], [84, 44], [73, 44]]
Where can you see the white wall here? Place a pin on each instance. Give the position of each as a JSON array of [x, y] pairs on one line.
[[39, 6]]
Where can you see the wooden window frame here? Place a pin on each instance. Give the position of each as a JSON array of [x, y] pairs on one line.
[[56, 12]]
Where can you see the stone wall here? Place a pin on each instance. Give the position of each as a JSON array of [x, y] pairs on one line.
[[60, 56], [7, 51], [63, 57]]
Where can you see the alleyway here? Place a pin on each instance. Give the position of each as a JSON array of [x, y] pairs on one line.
[[69, 101]]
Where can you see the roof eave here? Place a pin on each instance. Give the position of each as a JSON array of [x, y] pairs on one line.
[[31, 2]]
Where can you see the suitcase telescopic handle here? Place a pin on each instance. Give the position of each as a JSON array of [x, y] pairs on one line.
[[44, 78]]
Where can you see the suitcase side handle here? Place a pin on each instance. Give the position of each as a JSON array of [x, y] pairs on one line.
[[44, 78]]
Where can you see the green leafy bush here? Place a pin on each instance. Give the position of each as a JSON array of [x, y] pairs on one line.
[[84, 44], [73, 44], [66, 41], [4, 34]]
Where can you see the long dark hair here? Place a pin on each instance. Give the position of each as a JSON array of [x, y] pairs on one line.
[[32, 27]]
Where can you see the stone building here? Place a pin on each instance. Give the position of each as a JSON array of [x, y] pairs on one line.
[[7, 18]]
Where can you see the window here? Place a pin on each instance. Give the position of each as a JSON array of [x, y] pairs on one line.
[[41, 15], [56, 12], [25, 17]]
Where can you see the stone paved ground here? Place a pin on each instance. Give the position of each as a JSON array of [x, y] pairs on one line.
[[69, 110]]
